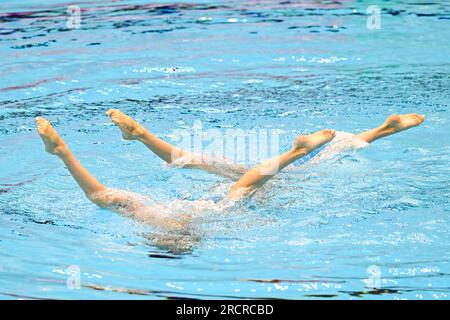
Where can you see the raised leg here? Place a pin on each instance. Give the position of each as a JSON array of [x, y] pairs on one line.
[[93, 189], [393, 124], [263, 172], [132, 130], [120, 201]]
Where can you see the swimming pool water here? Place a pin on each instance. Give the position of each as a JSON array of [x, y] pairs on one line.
[[326, 232]]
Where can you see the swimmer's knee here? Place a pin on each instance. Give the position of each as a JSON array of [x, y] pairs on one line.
[[116, 200], [99, 198], [104, 198]]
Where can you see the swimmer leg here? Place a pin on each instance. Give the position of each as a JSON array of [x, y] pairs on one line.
[[393, 124], [120, 202], [132, 130], [263, 172], [54, 144]]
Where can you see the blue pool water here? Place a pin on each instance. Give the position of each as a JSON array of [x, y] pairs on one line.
[[379, 214]]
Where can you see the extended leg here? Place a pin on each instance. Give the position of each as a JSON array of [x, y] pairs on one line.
[[393, 124], [346, 142], [93, 189], [263, 172], [132, 130], [117, 200]]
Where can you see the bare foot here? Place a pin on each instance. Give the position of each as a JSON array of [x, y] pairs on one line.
[[312, 141], [396, 123], [53, 142], [131, 129]]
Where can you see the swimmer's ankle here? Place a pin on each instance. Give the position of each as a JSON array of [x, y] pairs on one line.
[[304, 144], [143, 135], [298, 152], [139, 132], [384, 130], [63, 153]]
